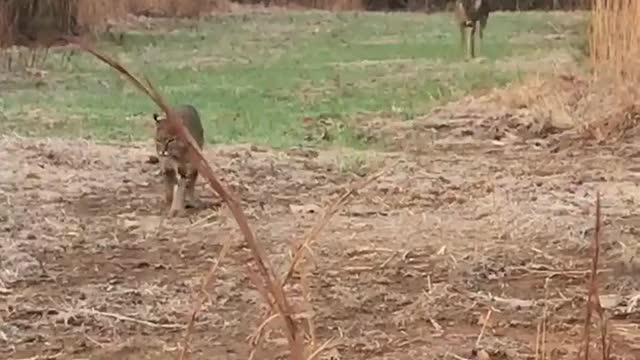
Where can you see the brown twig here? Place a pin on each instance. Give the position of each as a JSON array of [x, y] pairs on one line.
[[128, 319], [544, 318], [175, 126], [593, 296], [328, 214], [320, 348], [484, 326]]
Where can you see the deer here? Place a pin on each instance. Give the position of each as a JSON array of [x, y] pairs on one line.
[[470, 14]]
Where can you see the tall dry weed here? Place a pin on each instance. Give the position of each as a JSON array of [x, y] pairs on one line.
[[177, 8], [95, 15], [38, 21], [614, 49], [6, 30], [614, 38]]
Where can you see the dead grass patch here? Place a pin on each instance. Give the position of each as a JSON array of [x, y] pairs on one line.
[[591, 109]]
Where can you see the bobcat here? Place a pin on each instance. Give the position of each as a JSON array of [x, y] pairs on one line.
[[178, 172], [468, 14]]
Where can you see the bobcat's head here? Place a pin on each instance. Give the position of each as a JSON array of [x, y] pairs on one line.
[[167, 144]]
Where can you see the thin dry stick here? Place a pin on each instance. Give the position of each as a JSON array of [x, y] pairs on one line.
[[175, 126], [592, 285], [544, 318], [596, 292], [129, 319], [320, 349], [538, 336], [203, 295], [256, 336], [484, 326], [328, 214], [256, 340], [306, 296]]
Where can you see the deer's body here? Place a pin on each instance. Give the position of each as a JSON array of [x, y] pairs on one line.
[[179, 174], [469, 14]]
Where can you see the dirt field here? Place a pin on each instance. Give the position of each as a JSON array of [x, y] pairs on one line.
[[463, 224]]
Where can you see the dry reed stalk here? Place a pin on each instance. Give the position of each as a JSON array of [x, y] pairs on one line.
[[544, 318], [306, 296], [175, 126], [94, 16], [176, 8], [328, 213], [38, 22], [6, 26], [538, 337], [614, 38], [593, 296]]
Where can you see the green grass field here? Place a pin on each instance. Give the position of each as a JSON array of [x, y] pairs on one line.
[[255, 78]]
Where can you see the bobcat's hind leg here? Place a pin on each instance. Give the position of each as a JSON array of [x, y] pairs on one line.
[[191, 200]]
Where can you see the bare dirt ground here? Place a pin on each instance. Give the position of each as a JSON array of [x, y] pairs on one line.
[[475, 216]]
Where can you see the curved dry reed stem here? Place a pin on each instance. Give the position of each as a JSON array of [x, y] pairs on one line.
[[175, 126]]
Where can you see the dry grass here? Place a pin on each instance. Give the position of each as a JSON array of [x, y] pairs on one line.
[[333, 5], [273, 290], [569, 108], [615, 37], [94, 15], [600, 107], [28, 22], [176, 8], [614, 44], [382, 275]]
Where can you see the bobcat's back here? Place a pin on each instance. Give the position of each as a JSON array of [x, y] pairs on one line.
[[191, 120]]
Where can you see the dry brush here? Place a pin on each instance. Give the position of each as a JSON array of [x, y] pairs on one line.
[[614, 38], [38, 22]]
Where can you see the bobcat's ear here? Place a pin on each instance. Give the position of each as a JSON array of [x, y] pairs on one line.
[[156, 117]]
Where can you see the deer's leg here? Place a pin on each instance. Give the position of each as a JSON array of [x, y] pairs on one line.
[[463, 37], [483, 24], [472, 39]]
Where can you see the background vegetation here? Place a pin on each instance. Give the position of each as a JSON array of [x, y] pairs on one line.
[[284, 78]]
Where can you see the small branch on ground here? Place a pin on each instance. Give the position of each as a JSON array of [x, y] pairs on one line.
[[328, 213], [593, 296], [128, 319]]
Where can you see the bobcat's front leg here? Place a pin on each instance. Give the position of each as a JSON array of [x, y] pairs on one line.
[[169, 180], [179, 189]]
